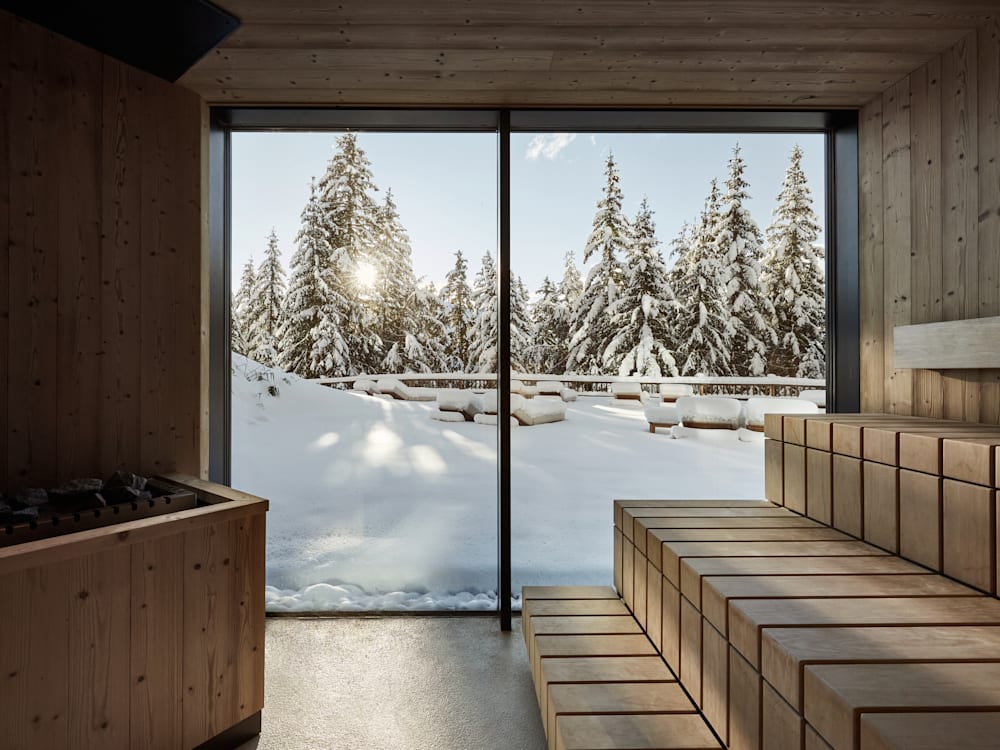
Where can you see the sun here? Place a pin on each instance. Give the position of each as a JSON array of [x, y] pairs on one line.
[[365, 275]]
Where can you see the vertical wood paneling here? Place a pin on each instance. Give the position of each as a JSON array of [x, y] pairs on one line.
[[945, 260], [5, 180], [156, 687], [896, 238], [32, 396], [249, 574], [121, 304], [988, 48], [98, 663], [77, 146], [102, 342], [870, 262], [925, 173]]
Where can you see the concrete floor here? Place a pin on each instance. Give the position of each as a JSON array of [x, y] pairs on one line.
[[396, 683]]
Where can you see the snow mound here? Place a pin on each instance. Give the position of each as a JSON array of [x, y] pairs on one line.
[[518, 387], [818, 397], [662, 415], [758, 406], [674, 391], [466, 402], [626, 390], [347, 598], [749, 436], [488, 402], [364, 384], [696, 411], [538, 411], [447, 416], [567, 394], [397, 390], [492, 419], [549, 388]]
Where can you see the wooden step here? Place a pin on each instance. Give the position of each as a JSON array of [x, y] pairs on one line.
[[736, 509], [882, 443], [621, 505], [920, 518], [568, 607], [921, 451], [819, 485], [970, 459], [848, 513], [749, 617], [930, 731], [613, 698], [969, 534], [786, 652], [557, 646], [567, 592], [880, 488], [835, 696], [694, 568], [644, 526], [649, 732]]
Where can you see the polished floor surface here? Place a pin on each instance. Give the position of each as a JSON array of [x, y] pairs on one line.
[[397, 683]]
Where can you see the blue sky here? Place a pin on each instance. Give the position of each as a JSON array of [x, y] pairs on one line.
[[445, 187]]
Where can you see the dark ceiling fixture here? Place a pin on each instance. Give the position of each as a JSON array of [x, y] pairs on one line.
[[162, 37]]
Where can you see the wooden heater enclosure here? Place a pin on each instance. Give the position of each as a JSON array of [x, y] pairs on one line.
[[145, 634]]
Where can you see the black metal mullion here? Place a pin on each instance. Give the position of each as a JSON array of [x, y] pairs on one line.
[[503, 378]]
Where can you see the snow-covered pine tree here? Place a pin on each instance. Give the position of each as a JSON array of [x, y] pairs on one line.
[[698, 279], [311, 342], [424, 343], [547, 352], [485, 324], [268, 306], [642, 313], [749, 335], [792, 278], [393, 302], [350, 222], [240, 311], [456, 300], [591, 330], [522, 329]]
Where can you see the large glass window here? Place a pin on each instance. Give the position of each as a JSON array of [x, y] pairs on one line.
[[360, 263]]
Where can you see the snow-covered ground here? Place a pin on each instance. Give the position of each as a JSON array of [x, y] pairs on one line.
[[376, 506]]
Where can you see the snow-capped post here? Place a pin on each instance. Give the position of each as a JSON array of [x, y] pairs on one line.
[[748, 331], [456, 300], [641, 315], [268, 307], [698, 279], [792, 278], [592, 328]]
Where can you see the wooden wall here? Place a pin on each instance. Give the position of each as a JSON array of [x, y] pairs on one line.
[[100, 280], [930, 225]]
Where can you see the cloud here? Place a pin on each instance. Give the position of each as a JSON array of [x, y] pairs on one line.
[[548, 146]]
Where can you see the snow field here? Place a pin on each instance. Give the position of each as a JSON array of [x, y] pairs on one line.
[[375, 506]]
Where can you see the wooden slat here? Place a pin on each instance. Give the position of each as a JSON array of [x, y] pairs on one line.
[[925, 731], [920, 518], [773, 468], [155, 680], [970, 459], [896, 236], [650, 732], [819, 485], [247, 576], [794, 477], [744, 703], [836, 696], [921, 451], [690, 650], [749, 617], [870, 254], [646, 541], [881, 505], [786, 651], [968, 533], [654, 605], [848, 514], [98, 666], [715, 679], [951, 345], [925, 195], [781, 726]]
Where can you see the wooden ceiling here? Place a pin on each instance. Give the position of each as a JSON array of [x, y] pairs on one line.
[[579, 53]]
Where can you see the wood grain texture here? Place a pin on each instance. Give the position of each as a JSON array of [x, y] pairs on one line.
[[881, 505], [968, 534], [955, 344], [920, 518], [927, 730], [744, 703], [773, 468], [104, 173], [848, 509], [870, 254], [794, 477], [819, 485], [715, 679]]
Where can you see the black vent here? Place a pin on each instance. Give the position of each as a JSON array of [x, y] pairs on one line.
[[162, 37]]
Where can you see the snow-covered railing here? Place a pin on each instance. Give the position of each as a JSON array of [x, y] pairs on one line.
[[768, 385]]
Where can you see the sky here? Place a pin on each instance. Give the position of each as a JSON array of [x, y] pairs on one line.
[[444, 185]]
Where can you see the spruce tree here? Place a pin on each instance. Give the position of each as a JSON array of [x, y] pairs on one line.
[[351, 226], [698, 280], [522, 329], [456, 299], [312, 342], [241, 310], [424, 344], [268, 305], [592, 330], [792, 279], [547, 352], [749, 335], [642, 313], [394, 301], [485, 324]]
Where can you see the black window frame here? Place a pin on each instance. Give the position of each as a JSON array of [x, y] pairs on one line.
[[841, 235]]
